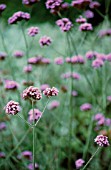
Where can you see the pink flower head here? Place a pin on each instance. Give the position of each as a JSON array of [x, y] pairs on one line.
[[81, 20], [65, 24], [32, 93], [75, 76], [12, 107], [98, 116], [65, 5], [29, 2], [35, 60], [79, 163], [101, 56], [25, 154], [68, 60], [108, 57], [45, 41], [109, 98], [90, 55], [18, 16], [2, 155], [2, 126], [53, 4], [18, 54], [89, 14], [28, 69], [59, 61], [3, 55], [32, 31], [51, 92], [77, 60], [97, 63], [30, 166], [53, 104], [74, 93], [85, 107], [94, 4], [66, 75], [2, 8], [80, 4], [107, 122], [44, 86], [10, 85], [103, 33], [85, 27], [36, 116], [102, 140], [45, 61]]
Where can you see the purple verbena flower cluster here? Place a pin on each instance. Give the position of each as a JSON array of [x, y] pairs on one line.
[[51, 92], [65, 24], [32, 93], [12, 107], [18, 16], [32, 31], [102, 140]]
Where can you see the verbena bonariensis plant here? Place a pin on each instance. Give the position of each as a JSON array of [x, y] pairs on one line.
[[83, 73]]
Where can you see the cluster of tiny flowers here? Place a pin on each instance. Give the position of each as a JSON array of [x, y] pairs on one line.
[[101, 120], [75, 60], [28, 68], [32, 31], [53, 4], [18, 54], [53, 104], [59, 61], [88, 14], [65, 24], [29, 2], [94, 4], [80, 3], [10, 85], [3, 55], [2, 8], [86, 107], [31, 166], [102, 140], [86, 27], [45, 41], [18, 16], [51, 92], [81, 20], [91, 54], [109, 98], [103, 33], [12, 107], [37, 114], [38, 60], [32, 93], [25, 154], [97, 63], [69, 75], [79, 163]]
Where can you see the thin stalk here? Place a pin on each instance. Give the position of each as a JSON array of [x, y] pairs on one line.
[[25, 121], [33, 136], [27, 48], [91, 158], [88, 139], [70, 108], [42, 112]]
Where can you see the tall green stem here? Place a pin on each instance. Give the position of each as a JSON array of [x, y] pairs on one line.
[[91, 159], [33, 135]]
